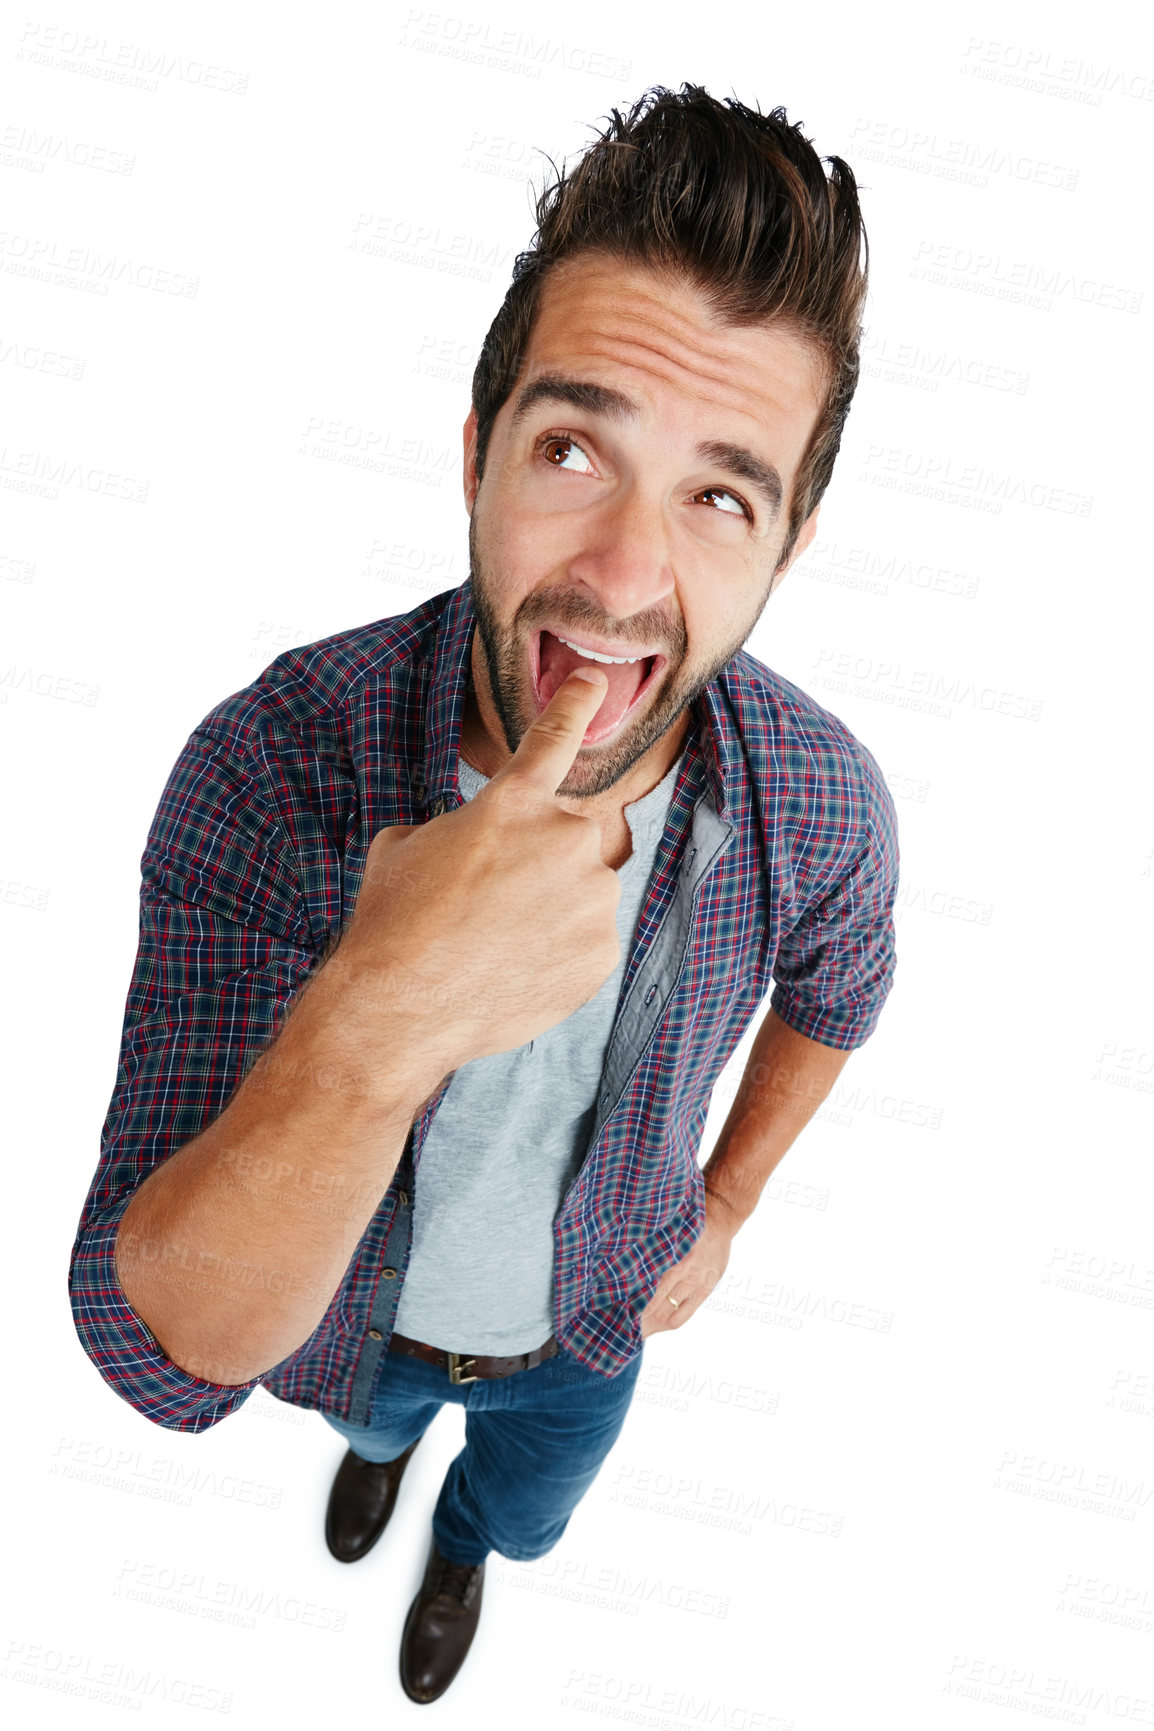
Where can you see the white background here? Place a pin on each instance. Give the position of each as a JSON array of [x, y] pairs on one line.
[[897, 1472]]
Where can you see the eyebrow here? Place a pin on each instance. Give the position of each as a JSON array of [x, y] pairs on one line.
[[613, 405]]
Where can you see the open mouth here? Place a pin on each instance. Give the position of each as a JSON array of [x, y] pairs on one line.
[[551, 662]]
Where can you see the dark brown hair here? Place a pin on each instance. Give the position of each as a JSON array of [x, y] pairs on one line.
[[734, 200]]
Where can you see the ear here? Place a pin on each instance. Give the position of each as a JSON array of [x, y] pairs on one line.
[[804, 536], [470, 438]]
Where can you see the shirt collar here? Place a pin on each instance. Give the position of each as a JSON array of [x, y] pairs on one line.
[[717, 743]]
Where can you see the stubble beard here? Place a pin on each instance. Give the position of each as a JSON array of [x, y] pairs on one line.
[[597, 768]]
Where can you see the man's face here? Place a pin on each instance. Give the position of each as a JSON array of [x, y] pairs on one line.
[[643, 517]]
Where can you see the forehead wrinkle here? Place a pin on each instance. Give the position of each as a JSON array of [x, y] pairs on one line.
[[689, 349], [592, 318], [656, 326], [721, 387]]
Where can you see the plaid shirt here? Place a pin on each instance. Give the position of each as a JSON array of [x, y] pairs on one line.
[[777, 866]]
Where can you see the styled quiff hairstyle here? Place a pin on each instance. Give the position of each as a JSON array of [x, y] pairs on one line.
[[734, 200]]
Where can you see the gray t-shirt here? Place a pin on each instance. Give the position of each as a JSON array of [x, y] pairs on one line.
[[508, 1139]]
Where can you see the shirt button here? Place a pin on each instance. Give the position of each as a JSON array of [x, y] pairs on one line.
[[375, 1334], [438, 807], [388, 1274], [651, 994]]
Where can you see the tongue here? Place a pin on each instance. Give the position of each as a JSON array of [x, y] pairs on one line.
[[558, 662]]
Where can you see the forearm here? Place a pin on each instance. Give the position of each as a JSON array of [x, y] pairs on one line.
[[231, 1249], [786, 1079]]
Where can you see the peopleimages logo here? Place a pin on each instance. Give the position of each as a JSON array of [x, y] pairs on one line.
[[481, 43], [925, 689], [1023, 282], [925, 367], [1067, 76], [871, 571], [44, 474], [926, 152], [51, 260], [940, 477], [112, 1682], [28, 148], [129, 63]]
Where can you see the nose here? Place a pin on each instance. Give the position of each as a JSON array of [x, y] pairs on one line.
[[624, 559]]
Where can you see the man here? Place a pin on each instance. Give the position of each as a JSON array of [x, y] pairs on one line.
[[449, 923]]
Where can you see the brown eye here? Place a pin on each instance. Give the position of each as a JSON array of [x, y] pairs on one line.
[[559, 451], [723, 493]]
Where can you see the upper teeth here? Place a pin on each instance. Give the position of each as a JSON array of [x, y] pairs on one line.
[[595, 656]]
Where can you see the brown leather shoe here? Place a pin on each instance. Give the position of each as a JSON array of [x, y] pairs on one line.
[[361, 1502], [440, 1626]]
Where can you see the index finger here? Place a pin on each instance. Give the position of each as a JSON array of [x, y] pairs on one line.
[[551, 743]]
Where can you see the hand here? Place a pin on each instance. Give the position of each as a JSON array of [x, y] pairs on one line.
[[493, 922], [691, 1280]]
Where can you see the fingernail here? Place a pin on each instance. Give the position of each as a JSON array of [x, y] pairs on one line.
[[593, 674]]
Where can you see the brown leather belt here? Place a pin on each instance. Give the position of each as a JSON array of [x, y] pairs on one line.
[[473, 1367]]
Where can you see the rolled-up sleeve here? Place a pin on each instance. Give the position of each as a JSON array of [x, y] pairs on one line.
[[224, 946], [835, 967]]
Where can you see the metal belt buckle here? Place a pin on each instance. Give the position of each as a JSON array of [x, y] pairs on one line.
[[455, 1369]]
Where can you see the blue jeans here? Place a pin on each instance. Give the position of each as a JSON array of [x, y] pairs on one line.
[[534, 1443]]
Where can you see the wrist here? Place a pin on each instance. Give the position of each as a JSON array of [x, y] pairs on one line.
[[358, 1018], [722, 1209]]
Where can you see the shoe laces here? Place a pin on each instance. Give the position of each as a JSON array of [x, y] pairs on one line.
[[455, 1579]]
